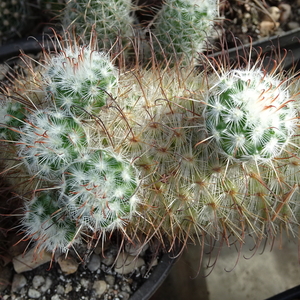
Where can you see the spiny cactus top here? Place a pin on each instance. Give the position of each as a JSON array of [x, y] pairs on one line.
[[250, 115], [181, 26], [80, 80], [110, 19]]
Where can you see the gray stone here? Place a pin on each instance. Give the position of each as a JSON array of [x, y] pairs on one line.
[[68, 288], [110, 280], [19, 281], [60, 289], [84, 283], [37, 281], [124, 295], [46, 285], [32, 293], [30, 260], [126, 264], [136, 249], [94, 263]]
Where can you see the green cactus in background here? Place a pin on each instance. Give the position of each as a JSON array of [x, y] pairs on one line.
[[181, 27], [109, 19], [13, 18], [178, 29]]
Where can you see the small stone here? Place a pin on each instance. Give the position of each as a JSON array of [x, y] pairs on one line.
[[60, 289], [267, 27], [274, 14], [30, 260], [293, 25], [286, 11], [37, 281], [109, 258], [99, 287], [125, 287], [19, 281], [94, 263], [84, 283], [124, 295], [32, 293], [68, 288], [46, 286], [136, 249], [55, 297], [68, 265], [125, 263], [110, 280]]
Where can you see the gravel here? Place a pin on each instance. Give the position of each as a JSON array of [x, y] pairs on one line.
[[110, 276]]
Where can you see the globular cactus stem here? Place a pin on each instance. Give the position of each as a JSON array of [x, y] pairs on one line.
[[250, 115], [182, 26]]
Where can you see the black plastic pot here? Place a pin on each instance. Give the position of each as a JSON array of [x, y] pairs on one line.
[[32, 45], [285, 46], [157, 277], [291, 294]]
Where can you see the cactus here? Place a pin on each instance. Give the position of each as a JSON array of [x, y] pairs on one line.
[[80, 80], [250, 115], [110, 19], [180, 27], [99, 190], [178, 30], [150, 161], [51, 130], [46, 223], [50, 141]]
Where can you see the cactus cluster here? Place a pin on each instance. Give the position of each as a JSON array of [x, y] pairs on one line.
[[110, 19], [162, 151], [178, 29], [78, 186]]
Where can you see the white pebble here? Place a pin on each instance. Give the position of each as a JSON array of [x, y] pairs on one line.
[[19, 281], [46, 286], [37, 281], [60, 289], [32, 293]]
